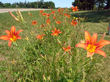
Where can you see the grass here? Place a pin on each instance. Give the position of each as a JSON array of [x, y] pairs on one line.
[[44, 60]]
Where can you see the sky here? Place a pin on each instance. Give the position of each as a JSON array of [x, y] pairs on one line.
[[58, 3]]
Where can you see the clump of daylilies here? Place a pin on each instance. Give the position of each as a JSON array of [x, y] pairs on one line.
[[90, 44]]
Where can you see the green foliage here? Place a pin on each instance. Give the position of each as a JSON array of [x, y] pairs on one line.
[[90, 4], [49, 4]]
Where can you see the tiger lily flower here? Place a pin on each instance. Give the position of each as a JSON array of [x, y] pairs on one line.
[[34, 22], [40, 36], [44, 14], [12, 35], [48, 15], [41, 11], [53, 12], [67, 49], [56, 32], [67, 15], [58, 22], [74, 22], [75, 8], [92, 46], [48, 21], [19, 16]]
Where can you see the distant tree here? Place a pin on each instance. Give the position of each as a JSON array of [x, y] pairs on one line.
[[100, 4], [7, 5], [108, 4], [40, 4], [90, 4], [84, 4], [1, 4]]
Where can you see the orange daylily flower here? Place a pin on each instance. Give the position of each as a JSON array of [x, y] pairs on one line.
[[67, 15], [42, 25], [58, 22], [48, 21], [41, 11], [60, 10], [67, 49], [34, 22], [75, 8], [54, 17], [56, 32], [92, 46], [40, 36], [74, 22], [48, 15], [12, 35], [53, 12], [44, 14]]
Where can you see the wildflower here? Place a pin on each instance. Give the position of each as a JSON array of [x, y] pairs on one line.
[[34, 22], [12, 35], [41, 11], [54, 17], [44, 14], [58, 22], [40, 36], [48, 21], [53, 12], [67, 15], [19, 16], [74, 22], [67, 49], [42, 25], [56, 32], [75, 8], [60, 10], [48, 15], [92, 46]]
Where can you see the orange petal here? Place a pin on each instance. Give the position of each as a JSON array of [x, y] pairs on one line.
[[100, 52], [82, 45], [19, 31], [94, 38], [102, 43], [89, 54], [9, 43], [8, 32], [18, 37], [4, 37], [13, 29], [87, 36]]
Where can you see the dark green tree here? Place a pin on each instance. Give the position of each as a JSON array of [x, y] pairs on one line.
[[84, 4], [108, 4], [1, 4]]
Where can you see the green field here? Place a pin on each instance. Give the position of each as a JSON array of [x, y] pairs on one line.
[[34, 60]]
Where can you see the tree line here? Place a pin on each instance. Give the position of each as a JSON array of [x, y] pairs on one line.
[[49, 4], [92, 4]]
